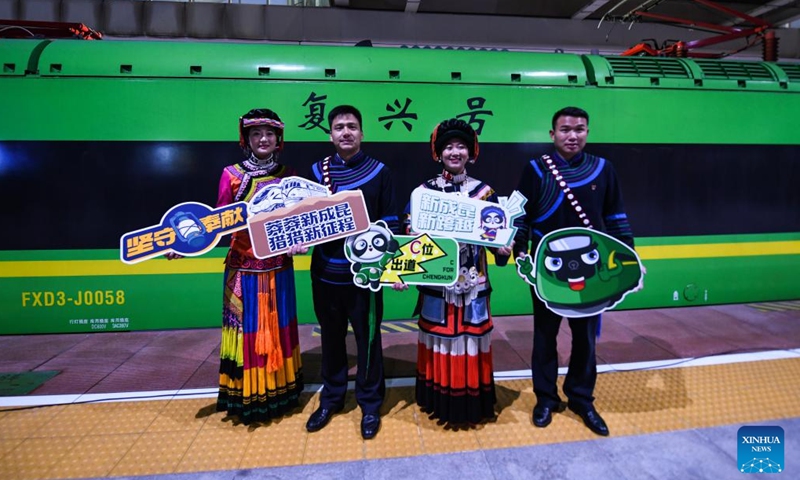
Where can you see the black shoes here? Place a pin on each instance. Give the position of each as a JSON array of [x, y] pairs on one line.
[[543, 415], [320, 418], [370, 424], [593, 420]]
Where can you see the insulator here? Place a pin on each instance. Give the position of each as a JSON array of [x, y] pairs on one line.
[[770, 46]]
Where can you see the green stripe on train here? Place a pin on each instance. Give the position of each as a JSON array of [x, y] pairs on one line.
[[174, 109], [158, 301]]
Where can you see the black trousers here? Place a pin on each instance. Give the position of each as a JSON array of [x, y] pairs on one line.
[[582, 370], [334, 305]]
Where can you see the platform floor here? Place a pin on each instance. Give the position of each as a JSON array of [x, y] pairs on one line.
[[676, 384]]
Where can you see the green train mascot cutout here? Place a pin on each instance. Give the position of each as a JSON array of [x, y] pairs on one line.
[[580, 272]]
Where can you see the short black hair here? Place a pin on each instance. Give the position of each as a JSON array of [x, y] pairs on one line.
[[344, 110], [570, 112]]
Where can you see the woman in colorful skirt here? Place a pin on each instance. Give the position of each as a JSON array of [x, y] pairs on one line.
[[260, 375], [455, 383]]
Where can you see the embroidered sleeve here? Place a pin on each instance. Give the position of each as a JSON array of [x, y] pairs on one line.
[[225, 193], [529, 187], [614, 216], [388, 205]]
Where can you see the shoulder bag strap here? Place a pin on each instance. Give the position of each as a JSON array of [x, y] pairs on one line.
[[326, 176], [570, 196]]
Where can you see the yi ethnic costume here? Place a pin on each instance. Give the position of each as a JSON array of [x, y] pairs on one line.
[[260, 371], [455, 383]]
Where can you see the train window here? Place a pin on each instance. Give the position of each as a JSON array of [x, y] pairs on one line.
[[263, 71], [394, 74], [572, 78], [655, 81], [126, 69], [330, 73], [55, 68], [742, 83], [195, 70], [9, 67], [516, 77], [455, 76], [698, 82]]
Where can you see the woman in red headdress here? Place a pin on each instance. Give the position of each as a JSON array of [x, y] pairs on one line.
[[260, 369]]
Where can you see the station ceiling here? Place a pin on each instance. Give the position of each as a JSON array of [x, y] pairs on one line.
[[776, 12]]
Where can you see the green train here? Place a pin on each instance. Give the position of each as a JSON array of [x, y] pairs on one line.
[[101, 138]]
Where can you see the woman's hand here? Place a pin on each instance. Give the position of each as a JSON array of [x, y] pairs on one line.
[[297, 249], [399, 286]]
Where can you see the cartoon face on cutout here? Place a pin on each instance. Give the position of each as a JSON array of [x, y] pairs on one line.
[[370, 246], [370, 252], [581, 272], [572, 260], [492, 219]]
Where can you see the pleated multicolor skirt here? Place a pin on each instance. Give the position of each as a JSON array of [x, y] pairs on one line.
[[260, 374], [455, 383]]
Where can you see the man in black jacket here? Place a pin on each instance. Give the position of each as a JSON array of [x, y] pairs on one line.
[[336, 298], [551, 192]]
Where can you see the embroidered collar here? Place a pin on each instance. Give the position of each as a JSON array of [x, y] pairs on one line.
[[454, 179], [355, 159], [571, 162], [269, 165]]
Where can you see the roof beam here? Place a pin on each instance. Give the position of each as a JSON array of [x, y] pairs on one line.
[[589, 9], [766, 8], [412, 6]]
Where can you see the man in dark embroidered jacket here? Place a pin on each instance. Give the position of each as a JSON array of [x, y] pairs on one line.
[[594, 183], [336, 298]]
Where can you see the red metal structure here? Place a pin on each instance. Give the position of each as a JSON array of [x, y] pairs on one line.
[[32, 29], [758, 31]]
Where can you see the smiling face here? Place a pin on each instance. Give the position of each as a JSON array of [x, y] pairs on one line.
[[346, 135], [263, 140], [569, 136], [455, 156]]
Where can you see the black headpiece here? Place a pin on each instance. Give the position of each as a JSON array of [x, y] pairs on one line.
[[454, 128]]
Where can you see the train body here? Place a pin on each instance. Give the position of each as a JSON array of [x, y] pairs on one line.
[[101, 138]]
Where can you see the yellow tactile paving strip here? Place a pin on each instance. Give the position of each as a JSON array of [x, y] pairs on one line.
[[159, 437]]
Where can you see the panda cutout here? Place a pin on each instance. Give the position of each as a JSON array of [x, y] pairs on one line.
[[370, 252]]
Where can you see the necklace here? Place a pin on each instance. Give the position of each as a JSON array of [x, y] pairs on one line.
[[267, 165], [457, 181]]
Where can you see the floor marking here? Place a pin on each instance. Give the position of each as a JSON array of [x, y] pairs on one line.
[[41, 400]]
